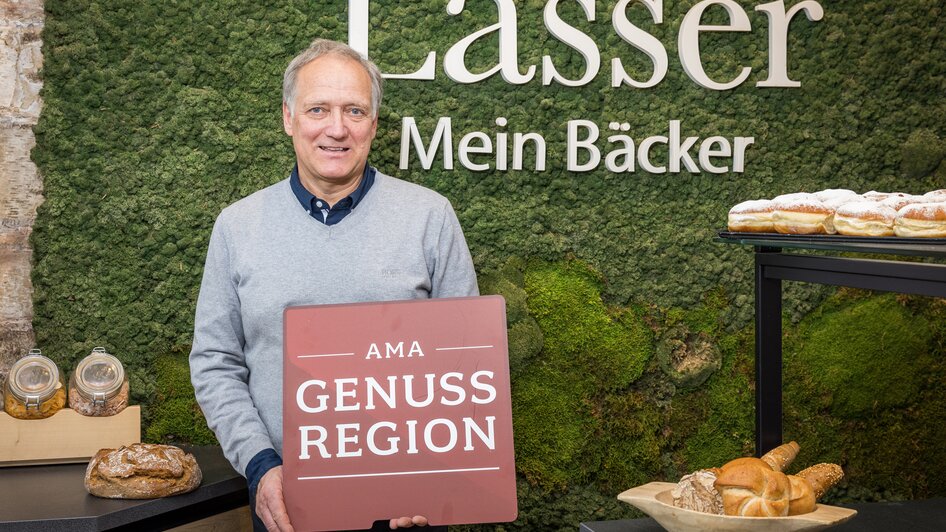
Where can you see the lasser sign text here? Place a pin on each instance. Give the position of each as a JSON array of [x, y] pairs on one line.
[[714, 154]]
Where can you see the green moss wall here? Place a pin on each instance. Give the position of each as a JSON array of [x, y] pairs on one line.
[[630, 331]]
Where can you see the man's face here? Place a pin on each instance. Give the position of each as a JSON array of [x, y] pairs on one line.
[[332, 125]]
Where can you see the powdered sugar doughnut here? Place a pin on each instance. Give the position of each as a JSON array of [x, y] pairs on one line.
[[835, 194], [802, 214], [753, 216], [936, 195], [837, 201], [921, 220], [900, 201], [873, 195], [865, 218]]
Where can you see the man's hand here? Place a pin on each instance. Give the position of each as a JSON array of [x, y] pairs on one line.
[[270, 506], [407, 522]]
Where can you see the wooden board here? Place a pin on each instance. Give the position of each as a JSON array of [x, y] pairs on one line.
[[65, 437]]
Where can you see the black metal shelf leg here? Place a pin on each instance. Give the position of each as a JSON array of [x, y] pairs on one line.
[[768, 358]]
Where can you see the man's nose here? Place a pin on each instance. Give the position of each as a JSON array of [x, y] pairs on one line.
[[336, 127]]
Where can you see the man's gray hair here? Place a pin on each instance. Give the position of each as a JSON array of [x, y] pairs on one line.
[[319, 48]]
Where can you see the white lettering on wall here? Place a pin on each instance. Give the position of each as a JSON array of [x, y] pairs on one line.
[[454, 62], [688, 43], [442, 138], [641, 40], [358, 39], [584, 44], [778, 38]]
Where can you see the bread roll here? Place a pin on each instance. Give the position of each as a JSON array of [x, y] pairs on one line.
[[921, 220], [803, 498], [802, 214], [750, 488], [142, 471], [782, 456], [753, 216], [865, 218], [822, 477], [811, 484]]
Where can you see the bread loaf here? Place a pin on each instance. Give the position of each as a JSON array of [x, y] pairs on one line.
[[696, 492], [803, 498], [141, 471]]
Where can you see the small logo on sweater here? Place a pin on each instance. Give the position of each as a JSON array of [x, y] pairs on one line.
[[390, 272]]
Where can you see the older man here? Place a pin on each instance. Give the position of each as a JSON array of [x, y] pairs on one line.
[[335, 231]]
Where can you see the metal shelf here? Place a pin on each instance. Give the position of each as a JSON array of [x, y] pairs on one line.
[[772, 266]]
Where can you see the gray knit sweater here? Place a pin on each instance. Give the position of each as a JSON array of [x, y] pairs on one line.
[[402, 241]]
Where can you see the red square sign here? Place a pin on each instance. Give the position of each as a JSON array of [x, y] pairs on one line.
[[397, 409]]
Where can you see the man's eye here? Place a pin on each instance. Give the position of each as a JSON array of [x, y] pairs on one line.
[[357, 111], [316, 110]]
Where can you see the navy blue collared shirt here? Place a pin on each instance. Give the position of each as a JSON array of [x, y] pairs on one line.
[[318, 208]]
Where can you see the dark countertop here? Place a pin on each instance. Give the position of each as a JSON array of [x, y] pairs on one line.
[[912, 516], [53, 498]]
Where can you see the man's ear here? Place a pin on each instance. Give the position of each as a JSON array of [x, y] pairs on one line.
[[286, 119]]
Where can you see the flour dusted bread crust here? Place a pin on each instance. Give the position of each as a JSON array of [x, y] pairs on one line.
[[921, 220], [142, 471], [695, 491], [753, 216]]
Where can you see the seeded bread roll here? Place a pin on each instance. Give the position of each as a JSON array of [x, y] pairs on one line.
[[142, 471], [802, 214], [782, 456], [865, 218], [921, 220], [753, 216]]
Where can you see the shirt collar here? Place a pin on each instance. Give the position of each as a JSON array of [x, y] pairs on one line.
[[308, 199]]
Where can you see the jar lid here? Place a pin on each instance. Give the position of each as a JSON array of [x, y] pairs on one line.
[[99, 376], [33, 379]]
